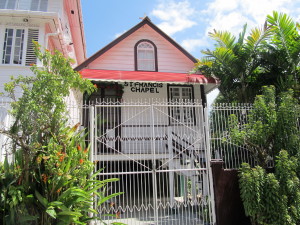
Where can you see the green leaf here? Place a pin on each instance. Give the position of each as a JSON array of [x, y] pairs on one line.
[[106, 198], [6, 166], [69, 213], [55, 203], [41, 199], [51, 212], [65, 194]]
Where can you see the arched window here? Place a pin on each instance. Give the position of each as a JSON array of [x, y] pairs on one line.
[[145, 56]]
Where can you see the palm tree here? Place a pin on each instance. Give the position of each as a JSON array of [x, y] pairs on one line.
[[267, 56], [235, 63], [282, 57]]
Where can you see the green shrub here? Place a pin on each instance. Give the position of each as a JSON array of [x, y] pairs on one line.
[[272, 198], [50, 180]]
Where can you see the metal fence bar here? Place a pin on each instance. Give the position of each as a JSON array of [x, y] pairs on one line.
[[209, 157], [222, 148]]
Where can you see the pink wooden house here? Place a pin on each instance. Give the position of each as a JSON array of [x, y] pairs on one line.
[[145, 54], [147, 126]]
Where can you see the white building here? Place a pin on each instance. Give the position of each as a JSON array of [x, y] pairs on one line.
[[55, 24]]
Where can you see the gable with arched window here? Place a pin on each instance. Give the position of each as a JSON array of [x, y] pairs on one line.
[[145, 56]]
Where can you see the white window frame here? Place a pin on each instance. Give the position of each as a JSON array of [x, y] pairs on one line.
[[13, 47], [140, 66], [181, 95], [25, 45]]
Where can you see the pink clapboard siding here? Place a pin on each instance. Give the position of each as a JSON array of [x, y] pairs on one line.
[[121, 56]]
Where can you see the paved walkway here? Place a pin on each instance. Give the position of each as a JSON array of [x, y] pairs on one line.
[[180, 216]]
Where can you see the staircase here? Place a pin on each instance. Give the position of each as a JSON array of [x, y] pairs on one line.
[[188, 160]]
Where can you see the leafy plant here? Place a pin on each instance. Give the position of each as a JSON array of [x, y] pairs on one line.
[[282, 55], [50, 180], [272, 198], [64, 190], [270, 128]]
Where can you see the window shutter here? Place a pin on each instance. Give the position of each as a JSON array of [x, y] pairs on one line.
[[33, 35]]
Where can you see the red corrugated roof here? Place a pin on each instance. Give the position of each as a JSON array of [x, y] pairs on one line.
[[120, 75]]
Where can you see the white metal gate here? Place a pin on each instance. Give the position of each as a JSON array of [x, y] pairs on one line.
[[159, 151]]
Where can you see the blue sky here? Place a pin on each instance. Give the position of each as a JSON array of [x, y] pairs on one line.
[[186, 21]]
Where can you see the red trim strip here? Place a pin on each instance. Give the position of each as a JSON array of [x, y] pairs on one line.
[[92, 74]]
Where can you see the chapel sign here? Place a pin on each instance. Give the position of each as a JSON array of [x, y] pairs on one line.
[[144, 87]]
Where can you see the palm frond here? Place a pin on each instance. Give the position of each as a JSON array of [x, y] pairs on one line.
[[224, 38], [284, 27], [240, 43], [226, 58], [204, 61], [242, 35], [256, 37], [204, 66]]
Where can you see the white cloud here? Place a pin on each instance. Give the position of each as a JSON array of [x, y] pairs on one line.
[[221, 5], [119, 34], [231, 15], [194, 44], [232, 21], [176, 16]]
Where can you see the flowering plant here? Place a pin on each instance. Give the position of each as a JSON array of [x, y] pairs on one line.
[[50, 180]]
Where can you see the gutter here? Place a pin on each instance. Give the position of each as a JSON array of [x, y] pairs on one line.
[[47, 37]]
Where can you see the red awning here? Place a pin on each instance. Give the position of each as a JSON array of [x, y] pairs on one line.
[[119, 75], [201, 79]]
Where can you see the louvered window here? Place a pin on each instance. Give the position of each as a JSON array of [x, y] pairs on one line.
[[33, 35], [145, 56], [13, 46]]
